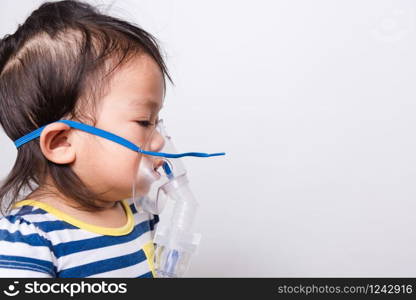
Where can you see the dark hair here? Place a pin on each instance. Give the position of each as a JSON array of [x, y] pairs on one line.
[[64, 52]]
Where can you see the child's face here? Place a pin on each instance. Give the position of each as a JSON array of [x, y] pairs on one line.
[[134, 99]]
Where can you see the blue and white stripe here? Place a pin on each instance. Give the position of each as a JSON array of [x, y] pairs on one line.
[[35, 243]]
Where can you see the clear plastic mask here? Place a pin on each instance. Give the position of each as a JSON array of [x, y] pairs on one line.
[[155, 173]]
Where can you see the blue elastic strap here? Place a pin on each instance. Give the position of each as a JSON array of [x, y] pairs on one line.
[[109, 136]]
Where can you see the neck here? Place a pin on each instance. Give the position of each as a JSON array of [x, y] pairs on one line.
[[48, 193]]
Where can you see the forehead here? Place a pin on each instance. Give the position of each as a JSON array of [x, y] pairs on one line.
[[138, 85]]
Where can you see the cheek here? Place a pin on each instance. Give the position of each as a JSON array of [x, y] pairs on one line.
[[121, 166], [108, 166], [140, 136]]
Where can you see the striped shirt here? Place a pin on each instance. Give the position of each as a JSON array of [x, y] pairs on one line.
[[38, 240]]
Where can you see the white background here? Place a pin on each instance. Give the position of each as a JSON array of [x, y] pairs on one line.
[[314, 103]]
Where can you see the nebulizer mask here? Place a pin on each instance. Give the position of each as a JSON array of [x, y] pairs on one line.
[[161, 178]]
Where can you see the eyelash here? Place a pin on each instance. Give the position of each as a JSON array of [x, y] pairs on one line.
[[147, 123], [144, 123]]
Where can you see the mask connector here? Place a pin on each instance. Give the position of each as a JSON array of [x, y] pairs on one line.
[[177, 242]]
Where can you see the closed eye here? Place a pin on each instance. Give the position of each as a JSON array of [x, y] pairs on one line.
[[145, 123]]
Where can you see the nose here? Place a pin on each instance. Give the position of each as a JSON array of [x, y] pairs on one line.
[[157, 142]]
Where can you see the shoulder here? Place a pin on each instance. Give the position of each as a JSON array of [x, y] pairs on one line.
[[22, 220], [23, 245]]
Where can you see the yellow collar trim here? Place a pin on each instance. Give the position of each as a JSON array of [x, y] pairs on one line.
[[127, 228]]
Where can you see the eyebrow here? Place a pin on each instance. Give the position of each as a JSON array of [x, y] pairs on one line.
[[135, 103]]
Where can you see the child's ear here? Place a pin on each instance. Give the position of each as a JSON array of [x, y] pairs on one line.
[[55, 143]]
